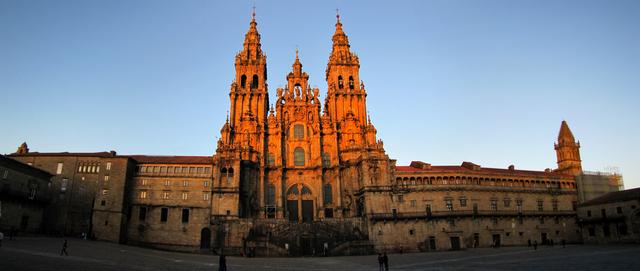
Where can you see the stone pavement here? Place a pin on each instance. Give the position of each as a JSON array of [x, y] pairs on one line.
[[41, 253]]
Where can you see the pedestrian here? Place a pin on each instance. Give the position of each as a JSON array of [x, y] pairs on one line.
[[385, 260], [1, 237], [325, 249], [529, 242], [380, 262], [563, 243], [64, 248], [222, 265], [286, 247], [535, 245]]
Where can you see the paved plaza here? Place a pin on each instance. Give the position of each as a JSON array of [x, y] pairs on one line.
[[40, 253]]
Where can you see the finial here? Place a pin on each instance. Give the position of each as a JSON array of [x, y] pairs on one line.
[[338, 15], [296, 51], [227, 116], [253, 15]]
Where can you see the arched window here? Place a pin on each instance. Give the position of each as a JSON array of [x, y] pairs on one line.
[[271, 194], [326, 160], [243, 81], [298, 131], [254, 81], [271, 160], [328, 195], [340, 85], [351, 84], [298, 157]]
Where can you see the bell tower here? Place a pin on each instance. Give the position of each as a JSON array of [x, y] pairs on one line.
[[249, 98], [346, 97], [567, 151]]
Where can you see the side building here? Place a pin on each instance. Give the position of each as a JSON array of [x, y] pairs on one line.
[[24, 196], [612, 218]]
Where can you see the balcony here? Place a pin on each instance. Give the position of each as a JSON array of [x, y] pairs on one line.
[[464, 213]]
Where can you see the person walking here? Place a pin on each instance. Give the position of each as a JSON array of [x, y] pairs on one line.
[[380, 262], [222, 264], [64, 248], [385, 260], [535, 245]]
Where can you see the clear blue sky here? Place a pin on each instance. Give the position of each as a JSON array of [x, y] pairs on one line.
[[448, 81]]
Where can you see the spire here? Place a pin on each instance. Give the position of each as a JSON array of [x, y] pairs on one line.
[[297, 66], [251, 47], [565, 135], [23, 149]]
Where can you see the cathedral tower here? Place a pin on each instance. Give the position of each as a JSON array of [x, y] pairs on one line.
[[567, 151], [346, 95], [249, 98]]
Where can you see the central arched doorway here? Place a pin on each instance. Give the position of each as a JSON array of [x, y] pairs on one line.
[[300, 203], [205, 238]]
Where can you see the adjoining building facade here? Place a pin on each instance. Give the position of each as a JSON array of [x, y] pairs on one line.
[[612, 218], [301, 177], [24, 196]]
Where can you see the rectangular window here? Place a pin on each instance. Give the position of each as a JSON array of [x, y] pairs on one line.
[[449, 204], [165, 194], [164, 214], [170, 170], [200, 170], [206, 183], [413, 203], [400, 198], [178, 170], [428, 210], [185, 195], [507, 202], [475, 209], [143, 194], [298, 131], [185, 215], [142, 215], [144, 182], [205, 196], [574, 205], [105, 192], [167, 183], [63, 185], [463, 202], [163, 170], [494, 205], [540, 206], [108, 166], [59, 169], [156, 169], [106, 180], [519, 205], [554, 205], [185, 183]]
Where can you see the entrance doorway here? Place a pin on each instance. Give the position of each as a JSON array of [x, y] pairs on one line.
[[300, 203], [455, 243], [496, 240], [543, 237], [205, 238]]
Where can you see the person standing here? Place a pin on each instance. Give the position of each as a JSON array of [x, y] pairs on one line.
[[222, 264], [535, 244], [64, 248], [380, 262], [385, 260], [1, 237]]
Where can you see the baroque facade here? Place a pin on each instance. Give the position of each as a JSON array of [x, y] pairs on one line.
[[301, 177]]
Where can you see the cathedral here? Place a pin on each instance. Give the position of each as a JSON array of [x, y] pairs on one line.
[[303, 177]]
